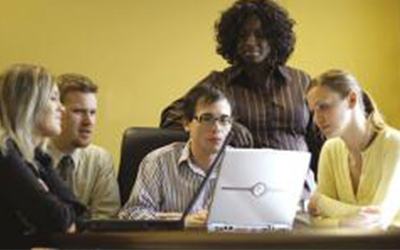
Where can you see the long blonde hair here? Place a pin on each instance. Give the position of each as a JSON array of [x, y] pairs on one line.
[[343, 83], [25, 90]]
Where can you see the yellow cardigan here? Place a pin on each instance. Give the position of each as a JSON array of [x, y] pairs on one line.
[[379, 183]]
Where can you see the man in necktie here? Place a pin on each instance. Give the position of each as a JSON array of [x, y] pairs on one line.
[[86, 168]]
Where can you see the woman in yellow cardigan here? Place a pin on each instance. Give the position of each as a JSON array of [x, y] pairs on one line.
[[359, 166]]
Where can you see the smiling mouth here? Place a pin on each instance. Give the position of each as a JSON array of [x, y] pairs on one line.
[[252, 53]]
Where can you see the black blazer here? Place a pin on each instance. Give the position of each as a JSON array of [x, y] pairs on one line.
[[27, 207]]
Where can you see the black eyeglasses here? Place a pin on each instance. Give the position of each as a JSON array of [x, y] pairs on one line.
[[209, 119]]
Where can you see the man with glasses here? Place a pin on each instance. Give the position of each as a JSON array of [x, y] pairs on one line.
[[169, 177]]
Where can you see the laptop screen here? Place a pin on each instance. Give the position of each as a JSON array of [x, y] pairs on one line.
[[262, 185]]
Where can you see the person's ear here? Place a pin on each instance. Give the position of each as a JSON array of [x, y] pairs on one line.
[[352, 98]]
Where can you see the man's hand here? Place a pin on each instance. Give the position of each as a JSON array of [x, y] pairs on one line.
[[196, 220]]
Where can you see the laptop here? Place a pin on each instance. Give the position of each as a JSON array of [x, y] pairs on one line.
[[116, 225], [257, 190]]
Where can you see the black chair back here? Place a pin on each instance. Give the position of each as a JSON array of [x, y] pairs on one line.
[[137, 142]]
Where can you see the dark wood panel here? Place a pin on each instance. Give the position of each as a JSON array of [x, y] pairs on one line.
[[198, 239]]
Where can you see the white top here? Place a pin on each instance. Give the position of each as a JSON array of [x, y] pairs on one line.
[[379, 182]]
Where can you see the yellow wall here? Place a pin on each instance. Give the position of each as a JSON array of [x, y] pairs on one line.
[[145, 53]]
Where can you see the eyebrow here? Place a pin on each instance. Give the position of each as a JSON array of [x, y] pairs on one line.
[[213, 114], [321, 101]]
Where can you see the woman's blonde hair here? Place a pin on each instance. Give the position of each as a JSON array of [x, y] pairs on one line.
[[25, 90], [343, 83]]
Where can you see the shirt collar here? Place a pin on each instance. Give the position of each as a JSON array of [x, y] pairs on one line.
[[185, 160], [281, 71], [284, 71], [56, 154], [185, 156]]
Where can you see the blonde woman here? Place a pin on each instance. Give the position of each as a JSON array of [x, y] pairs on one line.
[[33, 198], [359, 167]]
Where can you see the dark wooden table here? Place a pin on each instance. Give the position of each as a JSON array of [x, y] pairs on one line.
[[200, 239]]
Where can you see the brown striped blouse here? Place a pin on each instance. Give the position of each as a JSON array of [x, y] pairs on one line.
[[272, 115]]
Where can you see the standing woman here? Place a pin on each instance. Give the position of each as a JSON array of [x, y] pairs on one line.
[[256, 37], [33, 198], [359, 167]]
